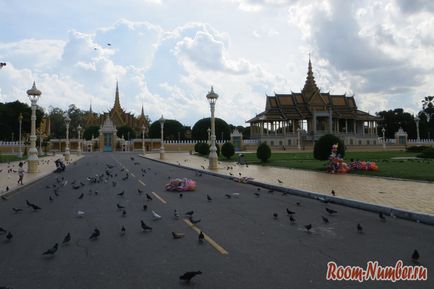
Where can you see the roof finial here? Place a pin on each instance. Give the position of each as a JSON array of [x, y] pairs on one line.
[[117, 101], [143, 112], [90, 106]]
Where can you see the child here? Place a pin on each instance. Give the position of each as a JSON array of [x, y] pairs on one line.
[[20, 173]]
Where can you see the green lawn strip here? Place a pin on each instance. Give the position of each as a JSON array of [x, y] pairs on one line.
[[388, 167]]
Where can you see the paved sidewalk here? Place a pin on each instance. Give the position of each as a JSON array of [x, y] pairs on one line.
[[9, 174], [407, 195]]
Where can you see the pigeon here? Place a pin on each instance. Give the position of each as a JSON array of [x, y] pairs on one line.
[[181, 195], [4, 198], [67, 238], [124, 213], [382, 217], [139, 191], [120, 207], [17, 210], [291, 219], [325, 220], [194, 221], [289, 212], [9, 236], [81, 196], [270, 191], [155, 216], [75, 187], [145, 207], [415, 256], [280, 182], [35, 207], [2, 230], [28, 203], [330, 211], [148, 197], [145, 227], [228, 196], [177, 235], [208, 197], [257, 195], [239, 174], [333, 193], [201, 236], [51, 251], [236, 195], [96, 233], [176, 214], [298, 204], [202, 167], [123, 230], [189, 213], [50, 198], [121, 194], [275, 216], [308, 227], [7, 188], [187, 276], [80, 214], [359, 228]]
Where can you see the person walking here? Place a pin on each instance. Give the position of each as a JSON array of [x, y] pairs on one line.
[[20, 173]]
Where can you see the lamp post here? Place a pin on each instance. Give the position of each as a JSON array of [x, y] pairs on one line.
[[209, 136], [67, 152], [20, 120], [79, 140], [40, 143], [417, 119], [383, 130], [143, 139], [34, 94], [162, 120], [212, 98]]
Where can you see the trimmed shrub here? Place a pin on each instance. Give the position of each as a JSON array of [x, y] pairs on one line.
[[196, 147], [323, 147], [203, 148], [263, 152], [228, 150], [427, 153], [416, 149]]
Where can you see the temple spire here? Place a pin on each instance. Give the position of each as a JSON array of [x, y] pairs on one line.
[[117, 101], [90, 106], [310, 84]]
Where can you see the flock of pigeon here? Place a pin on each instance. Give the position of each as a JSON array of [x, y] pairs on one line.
[[107, 177], [110, 177]]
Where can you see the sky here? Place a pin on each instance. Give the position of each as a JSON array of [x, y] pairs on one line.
[[166, 54]]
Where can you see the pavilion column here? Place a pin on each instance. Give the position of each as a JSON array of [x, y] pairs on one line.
[[346, 126], [330, 120], [314, 123], [275, 127], [285, 125], [376, 129], [293, 126], [363, 127], [261, 128], [354, 126], [268, 128]]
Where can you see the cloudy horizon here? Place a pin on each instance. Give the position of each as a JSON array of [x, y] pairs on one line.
[[167, 54]]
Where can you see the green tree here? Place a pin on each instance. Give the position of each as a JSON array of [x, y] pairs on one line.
[[57, 122], [199, 131], [394, 119], [127, 132], [172, 128], [9, 124], [91, 131], [323, 147], [263, 152]]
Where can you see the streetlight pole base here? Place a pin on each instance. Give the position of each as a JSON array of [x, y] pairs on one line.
[[32, 166], [67, 156], [212, 165]]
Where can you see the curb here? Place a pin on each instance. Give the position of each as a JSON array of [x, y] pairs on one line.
[[390, 211]]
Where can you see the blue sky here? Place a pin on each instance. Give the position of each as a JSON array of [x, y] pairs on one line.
[[167, 53]]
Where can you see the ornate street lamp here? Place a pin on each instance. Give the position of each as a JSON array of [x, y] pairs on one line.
[[417, 119], [298, 138], [40, 142], [34, 94], [209, 136], [20, 120], [383, 130], [143, 139], [67, 152], [79, 140], [212, 98], [162, 120]]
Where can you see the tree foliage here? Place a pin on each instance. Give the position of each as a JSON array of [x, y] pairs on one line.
[[171, 129], [323, 147], [91, 131], [200, 129], [393, 120], [126, 132], [263, 152]]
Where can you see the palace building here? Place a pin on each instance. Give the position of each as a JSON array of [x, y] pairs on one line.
[[299, 119]]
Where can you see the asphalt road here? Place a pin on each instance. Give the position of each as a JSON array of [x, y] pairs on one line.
[[249, 247]]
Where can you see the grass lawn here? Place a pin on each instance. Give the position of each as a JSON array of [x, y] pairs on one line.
[[420, 169], [10, 158]]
